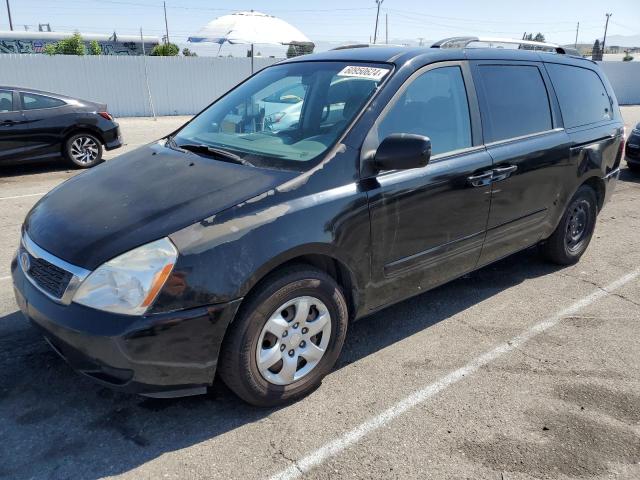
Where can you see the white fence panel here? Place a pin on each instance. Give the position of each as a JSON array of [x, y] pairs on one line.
[[625, 80], [178, 85]]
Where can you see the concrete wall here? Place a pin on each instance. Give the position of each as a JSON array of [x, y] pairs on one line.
[[625, 79], [178, 85]]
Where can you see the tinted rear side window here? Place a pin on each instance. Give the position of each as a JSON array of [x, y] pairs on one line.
[[515, 101], [32, 101], [582, 96]]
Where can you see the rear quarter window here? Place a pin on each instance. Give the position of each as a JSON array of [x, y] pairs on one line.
[[581, 94], [32, 101]]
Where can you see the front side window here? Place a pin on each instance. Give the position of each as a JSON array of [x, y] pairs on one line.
[[6, 101], [515, 101], [434, 105], [583, 99], [32, 101], [286, 116]]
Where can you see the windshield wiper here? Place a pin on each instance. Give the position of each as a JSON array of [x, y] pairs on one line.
[[207, 149]]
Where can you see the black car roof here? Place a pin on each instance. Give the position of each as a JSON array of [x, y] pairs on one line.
[[423, 55]]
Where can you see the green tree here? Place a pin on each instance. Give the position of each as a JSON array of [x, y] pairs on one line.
[[188, 53], [74, 45], [165, 50], [94, 48]]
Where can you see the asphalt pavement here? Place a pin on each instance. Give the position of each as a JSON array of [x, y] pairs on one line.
[[521, 370]]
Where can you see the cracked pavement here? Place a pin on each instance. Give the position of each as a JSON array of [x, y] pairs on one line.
[[564, 405]]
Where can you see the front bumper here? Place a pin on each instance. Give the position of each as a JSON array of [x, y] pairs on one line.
[[160, 355]]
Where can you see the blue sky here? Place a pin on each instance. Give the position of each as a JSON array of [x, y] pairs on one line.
[[338, 21]]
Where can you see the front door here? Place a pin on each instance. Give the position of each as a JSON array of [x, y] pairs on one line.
[[428, 224]]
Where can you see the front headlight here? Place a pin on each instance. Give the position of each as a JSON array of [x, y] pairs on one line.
[[129, 284]]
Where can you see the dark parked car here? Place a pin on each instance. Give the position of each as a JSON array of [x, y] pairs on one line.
[[231, 248], [36, 125], [632, 150]]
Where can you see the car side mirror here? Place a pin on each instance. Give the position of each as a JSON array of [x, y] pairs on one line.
[[402, 151]]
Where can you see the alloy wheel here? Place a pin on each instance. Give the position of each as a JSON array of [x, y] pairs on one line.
[[84, 150]]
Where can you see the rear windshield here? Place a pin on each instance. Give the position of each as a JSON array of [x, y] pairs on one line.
[[288, 115]]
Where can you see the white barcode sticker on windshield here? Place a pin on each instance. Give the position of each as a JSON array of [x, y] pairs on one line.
[[372, 73]]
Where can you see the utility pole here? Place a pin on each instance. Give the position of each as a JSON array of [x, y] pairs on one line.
[[386, 28], [375, 32], [420, 41], [575, 45], [9, 13], [605, 33], [166, 24]]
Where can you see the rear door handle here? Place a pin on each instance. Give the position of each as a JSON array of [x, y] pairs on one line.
[[9, 122], [501, 173], [482, 179]]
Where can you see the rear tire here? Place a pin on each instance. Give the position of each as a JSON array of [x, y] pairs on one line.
[[274, 351], [571, 237], [83, 150], [634, 167]]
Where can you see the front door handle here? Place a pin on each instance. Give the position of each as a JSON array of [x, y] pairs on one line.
[[501, 173], [8, 123], [482, 179]]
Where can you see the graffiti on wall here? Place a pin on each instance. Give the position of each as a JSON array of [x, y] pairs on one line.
[[37, 46]]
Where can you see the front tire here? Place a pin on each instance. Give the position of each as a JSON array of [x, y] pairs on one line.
[[571, 237], [286, 338], [83, 150]]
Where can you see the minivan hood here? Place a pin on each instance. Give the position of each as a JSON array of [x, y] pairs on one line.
[[137, 198]]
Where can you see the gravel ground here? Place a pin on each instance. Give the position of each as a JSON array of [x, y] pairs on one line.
[[521, 370]]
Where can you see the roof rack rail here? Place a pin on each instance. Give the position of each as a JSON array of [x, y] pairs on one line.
[[365, 45], [462, 42]]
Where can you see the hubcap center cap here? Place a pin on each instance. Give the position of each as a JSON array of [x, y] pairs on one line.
[[296, 338]]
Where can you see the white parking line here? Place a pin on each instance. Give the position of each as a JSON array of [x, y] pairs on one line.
[[334, 447], [23, 196]]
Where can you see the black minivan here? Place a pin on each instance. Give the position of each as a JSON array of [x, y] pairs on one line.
[[246, 242]]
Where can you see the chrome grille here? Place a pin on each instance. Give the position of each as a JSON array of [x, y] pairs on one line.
[[54, 280], [53, 276]]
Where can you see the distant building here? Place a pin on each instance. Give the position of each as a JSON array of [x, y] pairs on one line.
[[34, 42]]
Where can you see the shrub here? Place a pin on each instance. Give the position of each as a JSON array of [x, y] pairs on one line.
[[165, 50], [69, 46]]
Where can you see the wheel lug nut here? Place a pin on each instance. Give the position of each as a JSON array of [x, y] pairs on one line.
[[303, 344], [282, 347], [284, 334], [305, 330], [295, 325], [291, 352]]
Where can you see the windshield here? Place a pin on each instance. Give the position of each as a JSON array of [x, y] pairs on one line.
[[286, 116]]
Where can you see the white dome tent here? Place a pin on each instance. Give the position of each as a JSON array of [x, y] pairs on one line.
[[250, 28]]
